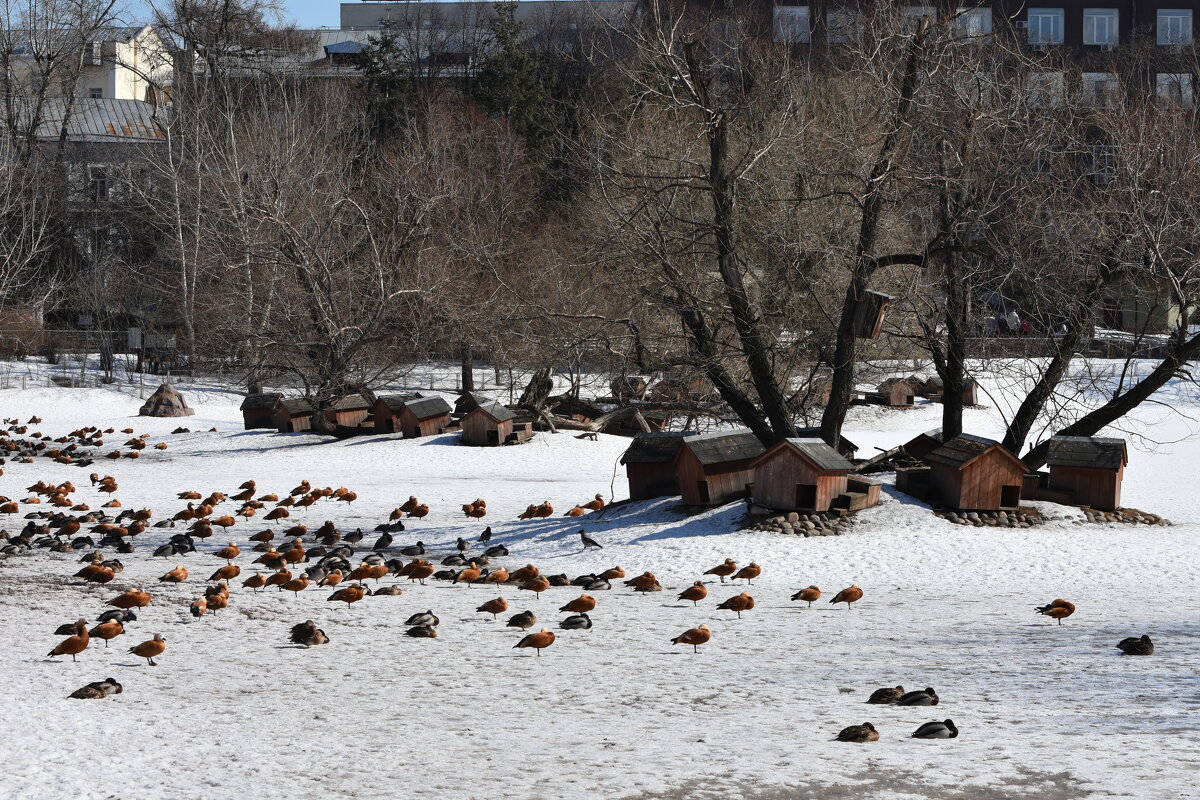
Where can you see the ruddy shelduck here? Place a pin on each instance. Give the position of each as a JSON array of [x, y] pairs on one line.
[[696, 592], [809, 595], [723, 570], [748, 572], [150, 649], [739, 603], [494, 607], [1059, 610], [851, 594], [694, 636], [580, 605], [75, 644], [538, 641]]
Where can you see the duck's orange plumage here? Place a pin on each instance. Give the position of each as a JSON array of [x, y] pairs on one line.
[[538, 641]]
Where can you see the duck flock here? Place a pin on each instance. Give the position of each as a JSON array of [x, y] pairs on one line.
[[294, 558]]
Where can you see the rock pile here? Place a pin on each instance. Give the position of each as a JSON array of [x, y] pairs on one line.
[[829, 524], [1022, 518], [1127, 516], [166, 402]]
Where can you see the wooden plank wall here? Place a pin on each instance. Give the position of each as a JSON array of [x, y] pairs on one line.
[[1098, 488], [651, 480], [775, 482], [475, 427], [978, 486], [407, 422], [259, 418]]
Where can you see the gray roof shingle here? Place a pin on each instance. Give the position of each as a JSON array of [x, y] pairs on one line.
[[1087, 452], [496, 411], [658, 447], [961, 450], [261, 402], [725, 446], [428, 407], [821, 454]]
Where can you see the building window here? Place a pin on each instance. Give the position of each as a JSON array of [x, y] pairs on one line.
[[1045, 26], [1100, 26], [1099, 89], [841, 26], [1174, 26], [975, 23], [1174, 88], [792, 24], [95, 93], [98, 186], [1044, 89], [1100, 164]]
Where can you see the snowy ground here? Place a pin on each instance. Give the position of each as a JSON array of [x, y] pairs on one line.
[[615, 712]]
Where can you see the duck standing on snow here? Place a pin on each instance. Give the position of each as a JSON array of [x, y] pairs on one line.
[[696, 592], [1059, 610], [75, 644], [945, 729], [694, 636], [808, 595], [538, 641], [1136, 646], [858, 734], [525, 620], [851, 594], [150, 648]]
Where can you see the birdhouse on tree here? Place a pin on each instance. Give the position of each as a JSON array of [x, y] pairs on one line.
[[869, 314]]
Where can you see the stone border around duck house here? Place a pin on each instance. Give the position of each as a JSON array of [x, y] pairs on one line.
[[832, 523], [1023, 517], [1123, 516]]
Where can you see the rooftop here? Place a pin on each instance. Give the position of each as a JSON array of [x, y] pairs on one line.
[[1087, 452]]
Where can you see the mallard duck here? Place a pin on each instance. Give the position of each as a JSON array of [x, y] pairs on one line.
[[308, 634], [525, 620], [427, 618], [886, 696], [921, 697], [97, 690], [577, 622], [858, 733], [1136, 646], [422, 632], [945, 729]]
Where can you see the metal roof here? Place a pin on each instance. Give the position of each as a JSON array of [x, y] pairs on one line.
[[822, 456], [1087, 452], [963, 449], [496, 411], [101, 120], [261, 402], [725, 446], [658, 447], [428, 407]]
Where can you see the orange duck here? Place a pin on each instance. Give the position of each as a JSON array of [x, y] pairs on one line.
[[296, 585], [73, 645], [228, 552], [419, 570], [739, 603], [150, 649], [468, 574], [809, 595], [279, 578], [643, 582], [177, 575], [1059, 610], [494, 607], [748, 573], [348, 595], [536, 585], [851, 594], [580, 605], [696, 592], [107, 630], [525, 573], [694, 636], [538, 641], [226, 573], [134, 598], [724, 570]]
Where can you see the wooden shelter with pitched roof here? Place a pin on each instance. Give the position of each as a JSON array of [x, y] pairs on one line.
[[650, 464], [386, 411], [258, 410], [492, 424], [971, 473], [1089, 469], [715, 468], [424, 416], [800, 475]]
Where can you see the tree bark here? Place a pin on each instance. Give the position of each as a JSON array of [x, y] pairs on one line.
[[844, 354], [467, 361]]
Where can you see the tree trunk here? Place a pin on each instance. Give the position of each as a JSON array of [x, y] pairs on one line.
[[844, 354], [539, 388], [1092, 423], [467, 360]]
